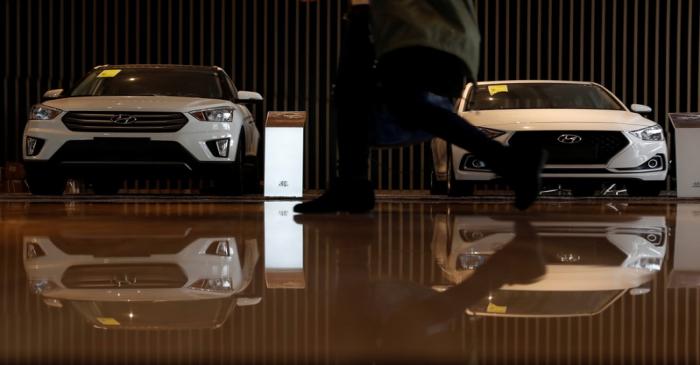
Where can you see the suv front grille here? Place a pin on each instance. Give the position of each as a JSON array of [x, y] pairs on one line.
[[144, 122], [595, 147], [126, 276]]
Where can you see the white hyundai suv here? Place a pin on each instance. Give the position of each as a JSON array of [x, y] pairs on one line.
[[142, 121], [591, 137]]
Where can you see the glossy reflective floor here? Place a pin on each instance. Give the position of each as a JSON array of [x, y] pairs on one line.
[[570, 281]]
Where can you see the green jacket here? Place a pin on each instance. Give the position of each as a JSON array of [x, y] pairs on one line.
[[446, 25]]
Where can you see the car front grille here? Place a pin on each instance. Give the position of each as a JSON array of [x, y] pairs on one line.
[[594, 147], [122, 150], [126, 276], [143, 122]]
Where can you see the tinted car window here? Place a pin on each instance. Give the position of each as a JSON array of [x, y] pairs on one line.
[[153, 81], [541, 96]]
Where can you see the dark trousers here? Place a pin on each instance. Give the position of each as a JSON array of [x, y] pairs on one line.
[[403, 80]]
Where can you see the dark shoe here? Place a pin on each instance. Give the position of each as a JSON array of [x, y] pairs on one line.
[[352, 196], [524, 176]]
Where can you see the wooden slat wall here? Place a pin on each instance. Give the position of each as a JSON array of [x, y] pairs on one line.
[[646, 51]]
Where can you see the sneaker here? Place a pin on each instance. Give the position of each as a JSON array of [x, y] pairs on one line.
[[352, 196]]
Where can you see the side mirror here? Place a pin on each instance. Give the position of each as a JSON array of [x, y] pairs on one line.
[[53, 94], [249, 97], [641, 109]]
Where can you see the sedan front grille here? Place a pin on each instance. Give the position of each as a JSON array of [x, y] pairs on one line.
[[126, 276], [591, 147], [144, 122]]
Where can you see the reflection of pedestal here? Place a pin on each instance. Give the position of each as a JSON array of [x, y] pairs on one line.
[[284, 247], [687, 135], [284, 154], [686, 256]]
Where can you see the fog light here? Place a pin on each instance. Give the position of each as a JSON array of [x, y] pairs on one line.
[[654, 163], [33, 145], [469, 162], [34, 251], [219, 147]]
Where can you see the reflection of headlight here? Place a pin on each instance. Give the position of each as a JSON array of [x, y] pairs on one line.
[[216, 285], [468, 261], [41, 286], [214, 115], [648, 263], [43, 112], [653, 133]]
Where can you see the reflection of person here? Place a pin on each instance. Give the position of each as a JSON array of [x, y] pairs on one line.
[[426, 50], [395, 321]]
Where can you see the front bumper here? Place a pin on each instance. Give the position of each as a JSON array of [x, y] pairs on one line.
[[622, 166], [184, 152]]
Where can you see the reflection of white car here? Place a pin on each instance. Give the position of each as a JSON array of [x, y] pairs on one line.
[[166, 278], [590, 262], [591, 136], [143, 120]]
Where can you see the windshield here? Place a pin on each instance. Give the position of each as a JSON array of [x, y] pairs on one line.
[[524, 302], [152, 82], [540, 96]]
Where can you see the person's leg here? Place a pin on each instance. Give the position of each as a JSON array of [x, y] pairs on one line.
[[351, 191], [413, 78]]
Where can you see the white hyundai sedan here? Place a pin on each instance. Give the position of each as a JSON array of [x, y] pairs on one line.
[[143, 121], [591, 136]]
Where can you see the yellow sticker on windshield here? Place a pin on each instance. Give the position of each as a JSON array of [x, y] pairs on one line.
[[492, 308], [495, 89], [108, 321], [108, 73]]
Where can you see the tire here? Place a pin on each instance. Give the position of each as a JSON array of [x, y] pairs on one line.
[[251, 176], [437, 187], [45, 182], [230, 180], [645, 188], [456, 187]]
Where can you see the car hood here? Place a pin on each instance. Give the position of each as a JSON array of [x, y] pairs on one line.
[[136, 103], [557, 119]]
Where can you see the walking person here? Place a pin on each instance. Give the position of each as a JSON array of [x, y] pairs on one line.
[[425, 52]]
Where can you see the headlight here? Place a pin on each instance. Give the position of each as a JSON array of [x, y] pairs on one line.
[[215, 285], [491, 133], [43, 112], [218, 115], [653, 133]]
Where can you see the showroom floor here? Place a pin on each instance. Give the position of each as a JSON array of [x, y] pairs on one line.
[[606, 280]]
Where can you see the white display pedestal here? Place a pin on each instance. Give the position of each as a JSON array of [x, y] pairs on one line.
[[686, 251], [687, 135], [284, 154], [284, 247]]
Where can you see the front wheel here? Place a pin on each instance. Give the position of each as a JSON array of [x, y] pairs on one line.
[[457, 187], [645, 188], [45, 182], [229, 180]]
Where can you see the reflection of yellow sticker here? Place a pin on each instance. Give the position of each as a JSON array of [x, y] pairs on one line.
[[108, 73], [495, 89], [492, 308], [107, 321]]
